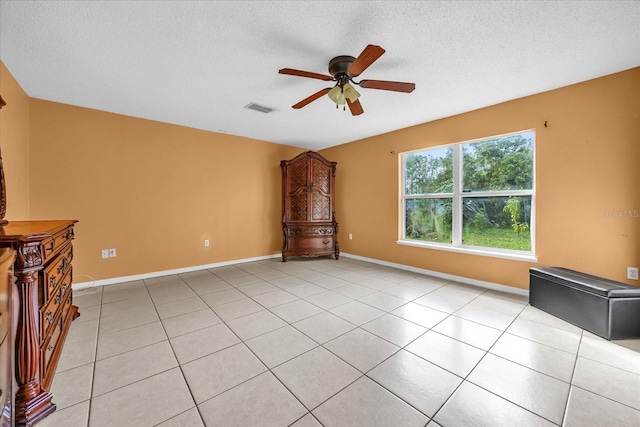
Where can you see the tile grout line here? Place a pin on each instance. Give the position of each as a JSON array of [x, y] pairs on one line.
[[95, 359], [267, 369], [175, 356], [465, 379], [503, 332]]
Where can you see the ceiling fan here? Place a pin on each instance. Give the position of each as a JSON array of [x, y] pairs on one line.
[[343, 69]]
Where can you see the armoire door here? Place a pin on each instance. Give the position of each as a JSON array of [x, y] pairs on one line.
[[320, 196], [297, 190]]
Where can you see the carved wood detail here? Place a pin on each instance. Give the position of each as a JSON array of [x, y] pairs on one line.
[[29, 256], [7, 345], [3, 188], [27, 344], [44, 305], [309, 225]]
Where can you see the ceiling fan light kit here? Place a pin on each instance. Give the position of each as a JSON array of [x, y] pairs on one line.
[[343, 69], [340, 93]]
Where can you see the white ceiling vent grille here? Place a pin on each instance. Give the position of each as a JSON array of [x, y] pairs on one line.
[[258, 107]]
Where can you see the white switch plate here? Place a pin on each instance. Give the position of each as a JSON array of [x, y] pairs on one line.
[[632, 273], [206, 243], [112, 253], [350, 236], [105, 253]]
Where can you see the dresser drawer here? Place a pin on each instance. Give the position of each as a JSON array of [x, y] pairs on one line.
[[49, 314], [50, 311], [6, 282], [52, 348], [48, 349], [55, 243], [6, 377], [55, 272], [67, 298]]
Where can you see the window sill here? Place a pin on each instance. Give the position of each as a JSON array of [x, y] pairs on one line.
[[512, 255]]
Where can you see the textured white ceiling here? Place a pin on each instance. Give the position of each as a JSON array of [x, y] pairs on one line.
[[199, 63]]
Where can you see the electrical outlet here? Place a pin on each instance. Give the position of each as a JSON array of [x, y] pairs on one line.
[[350, 236], [105, 253], [112, 253], [206, 243], [632, 273]]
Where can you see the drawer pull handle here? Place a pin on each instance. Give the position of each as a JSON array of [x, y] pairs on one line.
[[48, 317], [51, 246], [63, 265], [52, 281], [58, 299], [325, 241], [64, 288], [49, 347], [69, 234]]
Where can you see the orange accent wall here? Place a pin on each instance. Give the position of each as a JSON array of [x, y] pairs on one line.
[[151, 190], [587, 181], [155, 191], [14, 143]]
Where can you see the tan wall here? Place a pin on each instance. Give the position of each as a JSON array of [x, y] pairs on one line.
[[14, 143], [587, 162], [153, 191]]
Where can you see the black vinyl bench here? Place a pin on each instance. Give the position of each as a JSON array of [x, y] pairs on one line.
[[601, 306]]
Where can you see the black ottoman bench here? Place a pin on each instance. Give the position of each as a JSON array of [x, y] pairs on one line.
[[601, 306]]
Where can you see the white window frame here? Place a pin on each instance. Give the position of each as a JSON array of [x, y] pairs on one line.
[[457, 197]]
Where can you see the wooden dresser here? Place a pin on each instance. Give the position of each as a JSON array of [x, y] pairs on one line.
[[43, 309], [7, 256], [308, 214]]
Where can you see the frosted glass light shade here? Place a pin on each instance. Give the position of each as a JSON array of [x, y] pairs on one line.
[[350, 92], [337, 95]]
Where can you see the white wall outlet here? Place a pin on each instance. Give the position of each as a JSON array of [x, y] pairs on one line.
[[206, 243], [105, 253], [112, 253], [350, 236], [632, 273]]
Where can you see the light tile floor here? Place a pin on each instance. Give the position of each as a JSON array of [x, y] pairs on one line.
[[334, 343]]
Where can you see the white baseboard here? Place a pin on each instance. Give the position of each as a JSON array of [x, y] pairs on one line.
[[123, 279], [459, 279]]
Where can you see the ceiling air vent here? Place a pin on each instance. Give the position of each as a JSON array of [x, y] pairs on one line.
[[258, 107]]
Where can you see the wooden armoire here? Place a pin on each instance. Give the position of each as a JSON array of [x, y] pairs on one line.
[[308, 215]]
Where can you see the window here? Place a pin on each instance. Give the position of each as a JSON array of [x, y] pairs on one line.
[[474, 196]]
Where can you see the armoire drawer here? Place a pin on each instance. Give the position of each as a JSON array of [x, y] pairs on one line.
[[320, 242], [310, 231]]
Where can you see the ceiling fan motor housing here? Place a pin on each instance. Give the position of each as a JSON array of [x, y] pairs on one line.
[[339, 65]]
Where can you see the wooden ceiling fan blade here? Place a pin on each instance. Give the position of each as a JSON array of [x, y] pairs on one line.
[[311, 98], [355, 107], [365, 59], [387, 85], [300, 73]]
